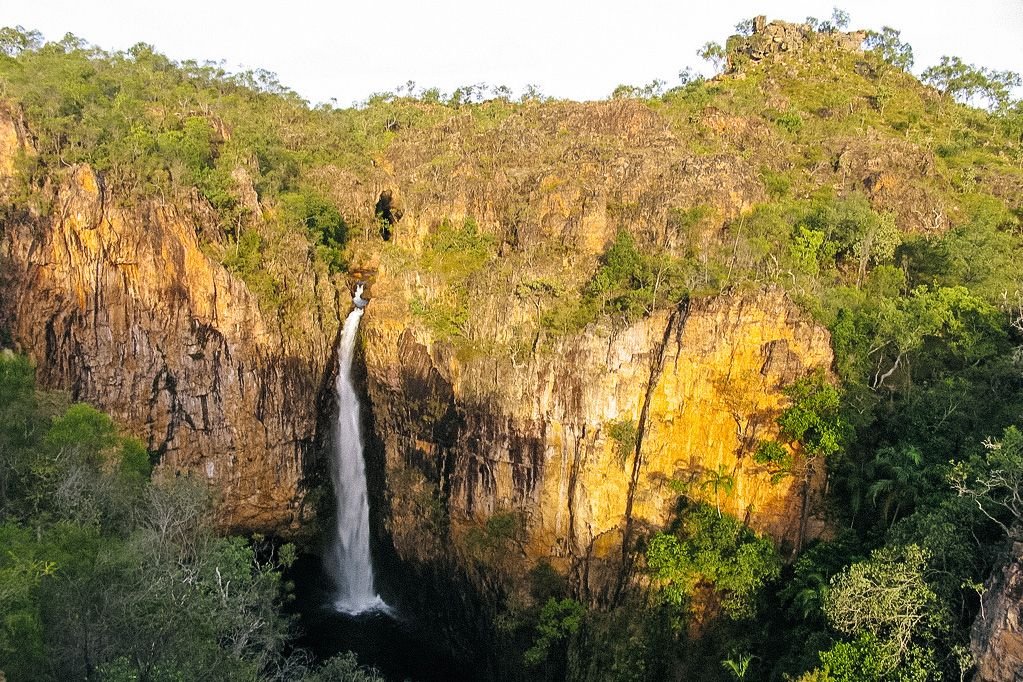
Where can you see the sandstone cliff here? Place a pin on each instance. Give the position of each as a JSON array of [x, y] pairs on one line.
[[470, 439], [495, 425], [996, 640], [120, 306]]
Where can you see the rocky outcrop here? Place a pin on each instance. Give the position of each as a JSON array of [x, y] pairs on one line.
[[120, 306], [779, 37], [996, 640]]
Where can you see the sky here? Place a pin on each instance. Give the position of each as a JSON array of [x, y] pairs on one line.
[[343, 51]]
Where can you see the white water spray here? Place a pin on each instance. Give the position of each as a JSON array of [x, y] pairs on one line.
[[349, 561]]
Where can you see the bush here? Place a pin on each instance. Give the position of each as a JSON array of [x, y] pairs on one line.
[[717, 550], [630, 283]]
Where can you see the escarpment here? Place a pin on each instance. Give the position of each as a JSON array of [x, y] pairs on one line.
[[118, 304], [486, 436], [121, 306], [499, 421], [488, 405]]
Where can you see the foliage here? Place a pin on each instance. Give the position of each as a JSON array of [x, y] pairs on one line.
[[886, 596], [719, 481], [631, 283], [739, 667], [107, 573], [455, 257], [321, 220], [967, 82], [559, 619], [624, 434], [994, 481], [713, 53], [716, 551], [887, 604], [343, 668], [774, 455], [888, 45], [814, 417], [491, 542]]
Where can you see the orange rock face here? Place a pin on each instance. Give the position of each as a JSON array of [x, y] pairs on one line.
[[479, 437], [122, 308]]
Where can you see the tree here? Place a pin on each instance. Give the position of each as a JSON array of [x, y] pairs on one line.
[[967, 83], [718, 480], [994, 481], [14, 41], [716, 551], [744, 27], [739, 666], [899, 481], [713, 53], [839, 20], [105, 574], [886, 597], [343, 667], [624, 434], [559, 620], [888, 45], [813, 417], [814, 420]]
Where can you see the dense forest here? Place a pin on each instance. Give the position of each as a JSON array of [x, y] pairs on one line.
[[110, 571]]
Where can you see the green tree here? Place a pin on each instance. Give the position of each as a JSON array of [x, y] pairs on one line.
[[814, 416], [718, 480], [994, 481], [559, 620], [967, 83], [342, 668], [713, 53], [898, 483], [716, 551], [888, 598], [14, 41], [889, 46], [739, 666]]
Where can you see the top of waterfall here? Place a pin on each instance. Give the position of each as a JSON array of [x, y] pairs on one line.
[[358, 300]]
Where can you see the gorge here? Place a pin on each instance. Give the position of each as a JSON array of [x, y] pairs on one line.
[[645, 385]]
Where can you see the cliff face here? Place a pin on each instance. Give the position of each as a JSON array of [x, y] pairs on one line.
[[996, 640], [120, 306], [509, 427], [471, 439]]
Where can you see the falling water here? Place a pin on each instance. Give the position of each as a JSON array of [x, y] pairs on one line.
[[349, 562]]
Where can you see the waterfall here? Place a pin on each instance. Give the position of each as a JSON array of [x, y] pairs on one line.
[[349, 562]]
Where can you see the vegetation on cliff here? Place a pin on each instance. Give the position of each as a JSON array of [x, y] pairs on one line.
[[887, 209]]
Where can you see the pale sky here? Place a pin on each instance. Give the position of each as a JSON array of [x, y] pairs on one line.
[[578, 49]]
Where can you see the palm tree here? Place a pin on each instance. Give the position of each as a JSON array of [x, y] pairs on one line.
[[899, 481], [719, 480], [739, 668]]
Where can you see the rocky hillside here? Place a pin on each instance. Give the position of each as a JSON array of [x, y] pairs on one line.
[[788, 295]]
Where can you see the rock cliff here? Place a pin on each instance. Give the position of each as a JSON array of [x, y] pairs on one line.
[[119, 305], [779, 37], [996, 640], [466, 440]]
